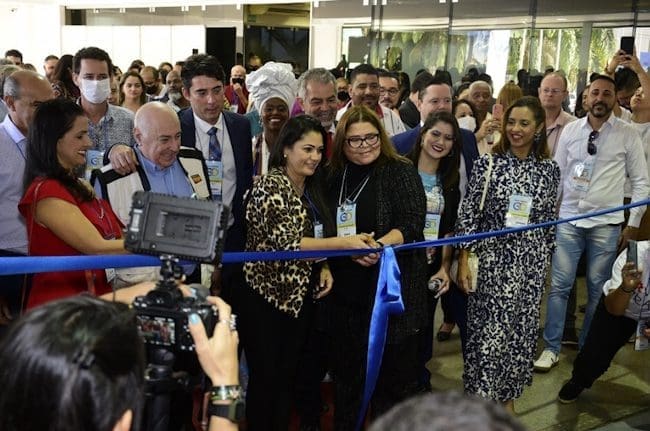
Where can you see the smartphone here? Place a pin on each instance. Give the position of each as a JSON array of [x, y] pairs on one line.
[[627, 44], [632, 255], [497, 111]]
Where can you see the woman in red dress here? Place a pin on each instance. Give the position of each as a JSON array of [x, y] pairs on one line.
[[63, 216]]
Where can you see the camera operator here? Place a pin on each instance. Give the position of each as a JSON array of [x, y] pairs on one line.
[[78, 364], [236, 92], [623, 308]]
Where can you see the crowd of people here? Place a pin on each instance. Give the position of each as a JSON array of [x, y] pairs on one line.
[[317, 162]]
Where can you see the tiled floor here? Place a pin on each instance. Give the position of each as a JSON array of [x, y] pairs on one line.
[[623, 392]]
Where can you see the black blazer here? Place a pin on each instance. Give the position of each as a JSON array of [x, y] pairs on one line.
[[239, 131], [404, 141]]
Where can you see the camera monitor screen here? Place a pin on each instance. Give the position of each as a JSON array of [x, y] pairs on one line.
[[187, 228], [157, 330]]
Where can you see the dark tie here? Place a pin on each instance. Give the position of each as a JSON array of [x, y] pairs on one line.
[[329, 146], [215, 148]]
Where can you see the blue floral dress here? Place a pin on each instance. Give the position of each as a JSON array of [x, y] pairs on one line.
[[503, 313]]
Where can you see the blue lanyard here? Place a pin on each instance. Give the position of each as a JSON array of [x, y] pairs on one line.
[[313, 208]]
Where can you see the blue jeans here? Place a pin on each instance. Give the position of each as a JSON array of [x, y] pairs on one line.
[[600, 243]]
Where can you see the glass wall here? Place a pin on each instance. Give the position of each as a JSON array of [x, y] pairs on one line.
[[577, 37]]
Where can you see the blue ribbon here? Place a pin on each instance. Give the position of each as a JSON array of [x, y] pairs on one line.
[[387, 298], [388, 302]]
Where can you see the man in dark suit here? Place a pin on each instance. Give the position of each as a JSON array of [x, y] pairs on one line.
[[224, 139], [434, 96]]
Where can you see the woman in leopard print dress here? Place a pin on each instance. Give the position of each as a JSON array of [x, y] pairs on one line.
[[284, 212]]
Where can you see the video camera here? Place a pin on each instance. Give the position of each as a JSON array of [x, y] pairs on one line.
[[173, 228]]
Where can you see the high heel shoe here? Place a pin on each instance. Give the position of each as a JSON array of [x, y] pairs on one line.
[[444, 335]]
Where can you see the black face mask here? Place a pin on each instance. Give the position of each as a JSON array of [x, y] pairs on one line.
[[343, 96], [150, 89], [239, 81]]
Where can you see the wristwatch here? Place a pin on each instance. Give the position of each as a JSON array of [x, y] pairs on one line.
[[235, 411]]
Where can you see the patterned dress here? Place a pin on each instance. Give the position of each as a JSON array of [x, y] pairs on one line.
[[503, 314]]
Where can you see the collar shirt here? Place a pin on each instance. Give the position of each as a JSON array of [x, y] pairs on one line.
[[13, 147], [391, 121], [644, 132], [639, 306], [115, 127], [619, 152], [555, 130], [227, 155]]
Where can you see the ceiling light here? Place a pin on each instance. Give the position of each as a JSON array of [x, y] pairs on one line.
[[365, 2], [203, 8], [238, 5], [122, 10], [316, 3], [95, 10], [152, 9]]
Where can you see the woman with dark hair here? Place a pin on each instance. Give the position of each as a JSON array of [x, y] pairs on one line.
[[80, 362], [131, 93], [285, 211], [63, 215], [373, 189], [437, 158], [514, 186], [465, 113], [62, 83]]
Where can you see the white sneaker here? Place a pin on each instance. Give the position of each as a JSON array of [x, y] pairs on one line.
[[546, 361]]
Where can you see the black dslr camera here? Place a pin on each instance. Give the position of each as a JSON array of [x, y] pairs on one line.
[[173, 228]]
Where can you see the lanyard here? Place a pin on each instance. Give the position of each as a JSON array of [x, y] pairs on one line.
[[357, 190], [313, 208]]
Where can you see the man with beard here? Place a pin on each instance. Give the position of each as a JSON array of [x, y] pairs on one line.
[[317, 97], [176, 100], [364, 89], [152, 84], [594, 154], [389, 90]]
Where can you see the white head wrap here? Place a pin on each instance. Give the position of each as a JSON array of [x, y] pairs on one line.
[[272, 80]]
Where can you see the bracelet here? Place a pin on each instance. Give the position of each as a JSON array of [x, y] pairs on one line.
[[626, 291], [225, 393], [381, 244]]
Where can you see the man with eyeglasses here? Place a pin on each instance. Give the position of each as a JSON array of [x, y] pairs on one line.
[[594, 154], [23, 92], [364, 89], [552, 91], [388, 90]]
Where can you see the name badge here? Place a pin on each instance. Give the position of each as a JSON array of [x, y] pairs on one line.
[[318, 230], [94, 160], [431, 226], [518, 210], [346, 224], [215, 176], [581, 175], [110, 274]]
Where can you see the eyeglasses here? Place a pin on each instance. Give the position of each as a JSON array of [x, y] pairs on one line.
[[391, 91], [591, 147], [356, 141]]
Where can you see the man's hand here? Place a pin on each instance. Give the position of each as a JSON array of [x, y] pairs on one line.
[[123, 159], [627, 234]]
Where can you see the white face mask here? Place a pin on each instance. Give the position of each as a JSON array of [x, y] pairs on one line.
[[96, 91], [467, 122]]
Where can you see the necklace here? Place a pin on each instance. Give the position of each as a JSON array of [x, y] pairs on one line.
[[299, 189]]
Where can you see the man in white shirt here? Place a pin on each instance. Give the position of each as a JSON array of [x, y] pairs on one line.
[[364, 89], [623, 312], [594, 155]]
